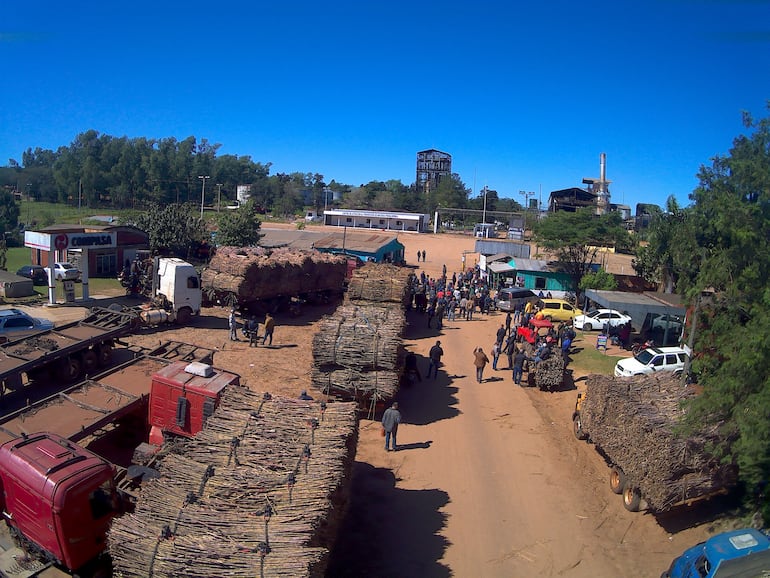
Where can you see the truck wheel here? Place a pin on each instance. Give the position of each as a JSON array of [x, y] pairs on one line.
[[577, 427], [104, 354], [632, 498], [71, 367], [617, 480], [90, 362], [183, 316]]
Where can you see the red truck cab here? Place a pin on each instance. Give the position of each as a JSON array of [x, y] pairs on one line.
[[183, 396], [44, 470]]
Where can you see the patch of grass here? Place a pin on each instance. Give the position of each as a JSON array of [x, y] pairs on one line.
[[590, 360]]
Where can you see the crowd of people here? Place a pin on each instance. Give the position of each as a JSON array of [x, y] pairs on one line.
[[520, 338]]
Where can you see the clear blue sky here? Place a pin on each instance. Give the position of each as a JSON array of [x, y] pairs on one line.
[[524, 96]]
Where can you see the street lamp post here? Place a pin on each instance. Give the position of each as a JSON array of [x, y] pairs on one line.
[[203, 191]]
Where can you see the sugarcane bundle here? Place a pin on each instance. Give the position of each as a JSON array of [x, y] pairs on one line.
[[549, 373], [252, 273], [635, 423], [258, 492], [350, 384], [366, 338], [379, 282]]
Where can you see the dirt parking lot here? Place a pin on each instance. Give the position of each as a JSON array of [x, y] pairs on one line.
[[489, 480]]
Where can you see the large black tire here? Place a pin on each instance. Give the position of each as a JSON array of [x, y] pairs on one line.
[[183, 316], [587, 327], [617, 480], [71, 367], [632, 498], [104, 353], [577, 427], [90, 361]]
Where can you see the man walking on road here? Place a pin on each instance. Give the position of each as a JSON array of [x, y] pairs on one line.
[[434, 355], [480, 360], [390, 420]]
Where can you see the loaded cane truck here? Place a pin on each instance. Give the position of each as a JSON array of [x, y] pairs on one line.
[[633, 423], [69, 465]]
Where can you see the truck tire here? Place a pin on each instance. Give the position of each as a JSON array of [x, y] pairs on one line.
[[577, 427], [71, 366], [183, 316], [90, 361], [104, 353], [632, 498], [617, 480]]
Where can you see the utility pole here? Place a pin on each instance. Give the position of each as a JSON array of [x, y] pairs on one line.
[[484, 212], [219, 197], [203, 191]]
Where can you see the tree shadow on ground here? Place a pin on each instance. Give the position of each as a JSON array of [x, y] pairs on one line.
[[389, 531]]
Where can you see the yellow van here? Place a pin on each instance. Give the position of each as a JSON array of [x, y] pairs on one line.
[[558, 310]]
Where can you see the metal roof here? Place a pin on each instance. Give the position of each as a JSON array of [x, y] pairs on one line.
[[529, 264]]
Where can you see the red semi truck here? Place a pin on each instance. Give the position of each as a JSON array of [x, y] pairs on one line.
[[59, 496]]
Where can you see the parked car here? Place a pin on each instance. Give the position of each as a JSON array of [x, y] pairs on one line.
[[651, 360], [734, 554], [558, 309], [66, 271], [37, 273], [15, 324], [673, 322], [507, 299], [598, 318]]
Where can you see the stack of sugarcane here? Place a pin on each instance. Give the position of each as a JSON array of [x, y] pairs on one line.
[[634, 420], [379, 283], [549, 373], [252, 273], [259, 492], [358, 351]]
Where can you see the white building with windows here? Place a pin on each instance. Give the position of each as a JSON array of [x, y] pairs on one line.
[[381, 220]]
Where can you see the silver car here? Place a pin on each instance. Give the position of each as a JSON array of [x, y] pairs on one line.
[[65, 272], [15, 324]]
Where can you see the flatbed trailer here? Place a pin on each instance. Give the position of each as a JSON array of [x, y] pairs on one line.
[[90, 413], [71, 351], [81, 410]]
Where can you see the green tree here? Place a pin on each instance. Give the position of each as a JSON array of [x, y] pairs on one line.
[[729, 255], [660, 261], [239, 228], [9, 212], [575, 238], [451, 192], [172, 228], [600, 280]]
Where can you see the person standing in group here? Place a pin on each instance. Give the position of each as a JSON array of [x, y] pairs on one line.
[[518, 366], [480, 360], [269, 327], [252, 330], [508, 319], [390, 420], [232, 322], [495, 354], [434, 357], [501, 333]]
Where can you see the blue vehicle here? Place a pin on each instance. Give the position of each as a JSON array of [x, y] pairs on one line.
[[737, 554]]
